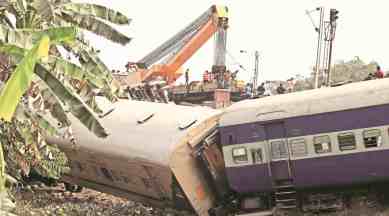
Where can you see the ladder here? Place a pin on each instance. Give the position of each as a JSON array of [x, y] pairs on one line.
[[285, 194]]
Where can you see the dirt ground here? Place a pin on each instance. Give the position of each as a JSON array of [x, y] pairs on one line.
[[54, 201], [50, 201]]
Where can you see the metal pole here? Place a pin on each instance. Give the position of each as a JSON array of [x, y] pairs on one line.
[[319, 50], [333, 18], [329, 58], [256, 71]]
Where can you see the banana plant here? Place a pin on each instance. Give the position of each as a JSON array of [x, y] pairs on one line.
[[38, 14], [11, 94], [57, 86], [47, 72]]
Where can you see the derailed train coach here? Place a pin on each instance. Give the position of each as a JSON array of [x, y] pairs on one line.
[[277, 149], [255, 154], [159, 154]]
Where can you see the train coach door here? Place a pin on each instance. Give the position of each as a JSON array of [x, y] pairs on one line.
[[279, 157]]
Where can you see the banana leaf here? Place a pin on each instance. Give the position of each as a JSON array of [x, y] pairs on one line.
[[58, 64], [5, 20], [44, 124], [97, 11], [74, 71], [96, 26], [92, 63], [12, 50], [77, 107], [44, 8], [2, 173], [21, 78], [25, 38], [56, 108]]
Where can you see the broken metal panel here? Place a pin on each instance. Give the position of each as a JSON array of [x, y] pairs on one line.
[[192, 180], [191, 176]]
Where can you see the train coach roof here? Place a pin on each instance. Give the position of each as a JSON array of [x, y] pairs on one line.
[[144, 130], [350, 96]]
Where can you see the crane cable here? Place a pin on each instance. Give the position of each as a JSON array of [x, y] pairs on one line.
[[235, 62]]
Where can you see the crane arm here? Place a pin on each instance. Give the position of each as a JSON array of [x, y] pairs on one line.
[[182, 46]]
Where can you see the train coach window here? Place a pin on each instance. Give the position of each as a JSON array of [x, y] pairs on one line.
[[106, 173], [372, 138], [240, 155], [346, 141], [279, 150], [257, 155], [322, 144], [298, 147]]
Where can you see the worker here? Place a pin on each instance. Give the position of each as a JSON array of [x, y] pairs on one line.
[[161, 93], [206, 77], [261, 89], [187, 77], [291, 82], [249, 87], [234, 75], [268, 88], [280, 89], [379, 73], [226, 79]]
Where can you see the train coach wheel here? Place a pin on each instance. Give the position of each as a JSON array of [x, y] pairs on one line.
[[73, 188]]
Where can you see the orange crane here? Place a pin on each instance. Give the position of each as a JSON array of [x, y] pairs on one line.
[[166, 60]]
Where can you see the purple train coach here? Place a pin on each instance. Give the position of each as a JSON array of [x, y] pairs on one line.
[[281, 145]]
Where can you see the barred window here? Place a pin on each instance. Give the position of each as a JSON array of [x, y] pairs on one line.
[[279, 150], [347, 141], [239, 155], [322, 144], [257, 155], [372, 138], [298, 147]]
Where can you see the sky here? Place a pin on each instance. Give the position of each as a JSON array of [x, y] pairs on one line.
[[279, 29]]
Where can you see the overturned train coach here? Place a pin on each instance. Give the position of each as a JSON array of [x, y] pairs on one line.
[[255, 154], [160, 154]]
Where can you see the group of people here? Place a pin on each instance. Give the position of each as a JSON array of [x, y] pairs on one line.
[[262, 91]]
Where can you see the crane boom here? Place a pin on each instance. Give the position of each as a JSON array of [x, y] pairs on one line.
[[178, 49]]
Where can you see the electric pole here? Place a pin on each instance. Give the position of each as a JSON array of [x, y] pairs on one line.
[[326, 35], [256, 71], [319, 43], [332, 29]]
